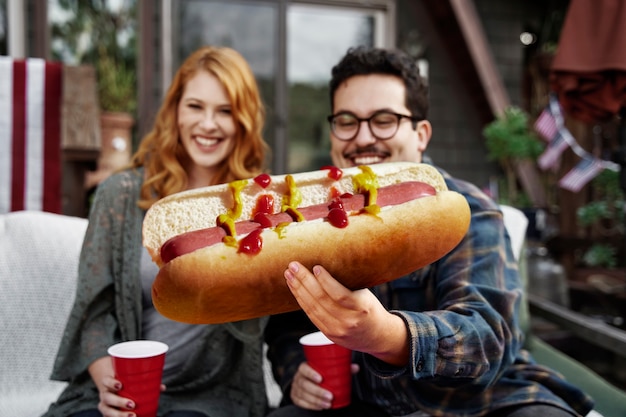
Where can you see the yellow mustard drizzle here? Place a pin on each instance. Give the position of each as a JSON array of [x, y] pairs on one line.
[[280, 229], [373, 209], [227, 221], [293, 197], [366, 182], [295, 214], [236, 187], [230, 241], [292, 200]]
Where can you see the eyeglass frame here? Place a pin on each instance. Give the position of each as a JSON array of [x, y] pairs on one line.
[[360, 120]]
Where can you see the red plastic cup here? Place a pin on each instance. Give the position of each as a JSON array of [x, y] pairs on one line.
[[332, 362], [138, 365]]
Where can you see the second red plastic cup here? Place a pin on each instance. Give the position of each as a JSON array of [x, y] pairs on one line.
[[333, 363], [138, 365]]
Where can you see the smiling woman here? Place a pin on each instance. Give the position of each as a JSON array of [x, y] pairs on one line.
[[212, 107], [206, 125]]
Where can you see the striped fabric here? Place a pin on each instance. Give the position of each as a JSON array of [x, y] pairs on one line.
[[546, 125], [30, 135], [586, 170]]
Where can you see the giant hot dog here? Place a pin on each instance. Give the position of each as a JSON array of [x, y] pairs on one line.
[[222, 250]]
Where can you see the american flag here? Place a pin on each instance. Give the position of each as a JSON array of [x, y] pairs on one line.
[[550, 125], [546, 125], [581, 174], [30, 135], [553, 151]]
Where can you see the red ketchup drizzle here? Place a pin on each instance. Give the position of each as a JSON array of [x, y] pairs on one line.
[[264, 204], [333, 172], [263, 220], [337, 215], [338, 218], [334, 193], [252, 243], [336, 204], [263, 180]]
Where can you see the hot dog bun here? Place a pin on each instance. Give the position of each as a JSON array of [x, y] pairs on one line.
[[217, 284]]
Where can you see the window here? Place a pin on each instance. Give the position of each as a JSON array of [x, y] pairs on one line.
[[317, 37], [291, 47], [4, 28]]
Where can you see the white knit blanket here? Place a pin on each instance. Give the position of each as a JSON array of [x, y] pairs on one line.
[[38, 268]]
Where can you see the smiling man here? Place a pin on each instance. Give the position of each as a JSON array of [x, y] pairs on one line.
[[371, 120], [442, 341]]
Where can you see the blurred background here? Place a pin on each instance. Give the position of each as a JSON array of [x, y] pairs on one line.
[[489, 65]]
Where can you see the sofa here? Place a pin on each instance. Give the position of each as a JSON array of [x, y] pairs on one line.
[[38, 268]]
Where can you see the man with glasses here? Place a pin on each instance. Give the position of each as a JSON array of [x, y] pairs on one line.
[[444, 340]]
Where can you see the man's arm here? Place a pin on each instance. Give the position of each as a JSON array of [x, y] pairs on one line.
[[354, 319]]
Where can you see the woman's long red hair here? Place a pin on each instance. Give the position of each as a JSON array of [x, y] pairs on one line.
[[161, 152]]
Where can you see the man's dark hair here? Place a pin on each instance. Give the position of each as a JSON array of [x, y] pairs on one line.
[[364, 60]]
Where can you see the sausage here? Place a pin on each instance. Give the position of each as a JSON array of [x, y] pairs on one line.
[[387, 196]]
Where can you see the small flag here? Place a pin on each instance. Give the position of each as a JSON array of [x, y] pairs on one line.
[[553, 151], [581, 174], [546, 125]]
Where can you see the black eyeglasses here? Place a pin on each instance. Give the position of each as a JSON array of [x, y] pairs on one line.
[[382, 124]]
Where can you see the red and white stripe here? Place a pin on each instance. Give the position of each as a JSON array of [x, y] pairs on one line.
[[552, 153], [586, 170], [546, 126], [30, 135]]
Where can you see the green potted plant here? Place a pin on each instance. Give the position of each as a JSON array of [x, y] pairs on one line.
[[603, 219], [116, 84], [103, 34], [509, 140]]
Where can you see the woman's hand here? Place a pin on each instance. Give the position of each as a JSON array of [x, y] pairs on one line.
[[111, 404], [306, 391]]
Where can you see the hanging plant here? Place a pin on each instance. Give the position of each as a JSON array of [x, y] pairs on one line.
[[606, 216], [509, 139]]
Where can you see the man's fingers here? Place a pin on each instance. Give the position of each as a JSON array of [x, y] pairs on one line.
[[318, 285], [304, 287]]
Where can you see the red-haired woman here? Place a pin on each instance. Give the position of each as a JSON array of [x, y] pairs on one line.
[[207, 131]]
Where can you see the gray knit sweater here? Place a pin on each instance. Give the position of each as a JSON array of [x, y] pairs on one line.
[[224, 378]]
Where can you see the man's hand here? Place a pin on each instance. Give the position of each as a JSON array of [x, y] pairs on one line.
[[353, 319]]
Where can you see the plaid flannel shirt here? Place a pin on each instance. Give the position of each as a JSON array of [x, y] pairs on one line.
[[466, 345]]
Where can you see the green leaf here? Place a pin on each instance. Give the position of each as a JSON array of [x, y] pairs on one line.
[[510, 137], [600, 255]]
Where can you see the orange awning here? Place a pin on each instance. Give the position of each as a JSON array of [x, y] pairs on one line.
[[589, 70]]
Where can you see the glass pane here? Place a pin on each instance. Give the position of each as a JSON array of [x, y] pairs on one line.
[[317, 37], [4, 28], [90, 32], [249, 28]]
